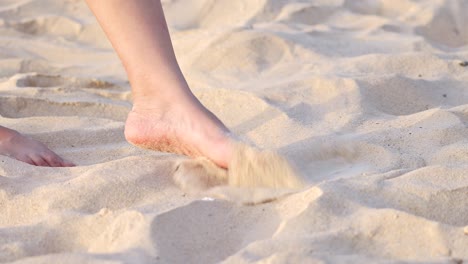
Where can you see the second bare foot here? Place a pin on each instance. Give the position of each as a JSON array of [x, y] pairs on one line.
[[28, 150]]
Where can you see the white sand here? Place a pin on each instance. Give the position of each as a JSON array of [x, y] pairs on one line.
[[367, 98]]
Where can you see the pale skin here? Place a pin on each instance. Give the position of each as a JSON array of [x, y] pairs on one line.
[[166, 116], [25, 149]]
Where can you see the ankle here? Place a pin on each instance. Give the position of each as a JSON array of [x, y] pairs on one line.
[[162, 97], [150, 86]]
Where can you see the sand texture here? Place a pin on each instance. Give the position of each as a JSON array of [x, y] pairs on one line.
[[368, 100]]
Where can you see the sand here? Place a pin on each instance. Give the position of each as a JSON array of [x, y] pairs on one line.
[[368, 100]]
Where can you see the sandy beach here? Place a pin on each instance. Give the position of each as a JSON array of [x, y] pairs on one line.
[[367, 99]]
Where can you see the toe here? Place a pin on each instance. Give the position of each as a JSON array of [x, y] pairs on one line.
[[52, 159], [39, 161]]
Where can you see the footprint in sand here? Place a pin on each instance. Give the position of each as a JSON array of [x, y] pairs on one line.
[[48, 25], [62, 99], [45, 81]]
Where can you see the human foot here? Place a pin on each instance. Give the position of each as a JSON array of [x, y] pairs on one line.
[[184, 127], [25, 149]]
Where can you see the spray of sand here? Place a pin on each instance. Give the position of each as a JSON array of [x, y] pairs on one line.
[[253, 176]]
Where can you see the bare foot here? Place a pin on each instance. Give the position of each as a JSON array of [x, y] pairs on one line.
[[184, 127], [165, 116], [25, 149]]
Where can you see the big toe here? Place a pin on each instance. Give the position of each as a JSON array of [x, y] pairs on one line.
[[66, 163]]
